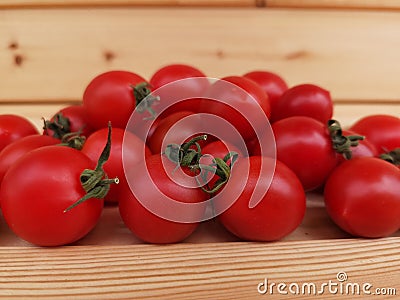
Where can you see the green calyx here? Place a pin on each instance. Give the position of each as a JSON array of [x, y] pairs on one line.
[[95, 182], [60, 126], [393, 157], [144, 99], [221, 168], [342, 144], [186, 156]]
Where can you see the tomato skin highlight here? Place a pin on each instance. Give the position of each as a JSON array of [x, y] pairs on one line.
[[362, 196], [48, 181], [146, 225], [280, 211], [383, 131], [304, 145], [14, 127]]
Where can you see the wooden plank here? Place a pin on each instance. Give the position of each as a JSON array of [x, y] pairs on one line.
[[52, 54], [209, 270], [337, 4], [111, 263]]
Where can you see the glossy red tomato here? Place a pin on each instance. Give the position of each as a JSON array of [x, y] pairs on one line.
[[241, 102], [166, 181], [383, 131], [362, 196], [11, 153], [304, 145], [305, 100], [14, 127], [39, 187], [271, 83], [179, 82], [174, 72], [280, 210], [72, 118], [124, 145], [111, 97]]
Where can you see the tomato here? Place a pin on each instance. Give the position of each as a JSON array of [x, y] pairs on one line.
[[111, 97], [10, 154], [241, 102], [304, 145], [70, 119], [134, 149], [175, 72], [280, 210], [14, 127], [165, 182], [383, 131], [39, 187], [305, 100], [362, 196], [272, 84], [176, 82]]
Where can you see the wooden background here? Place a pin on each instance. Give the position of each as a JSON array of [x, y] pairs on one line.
[[50, 50]]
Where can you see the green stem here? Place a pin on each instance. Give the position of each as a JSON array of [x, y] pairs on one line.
[[393, 157], [95, 182], [60, 126], [144, 99], [342, 144]]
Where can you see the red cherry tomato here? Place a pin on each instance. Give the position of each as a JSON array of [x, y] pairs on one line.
[[134, 152], [13, 127], [165, 182], [241, 102], [271, 83], [304, 145], [71, 118], [383, 131], [174, 89], [110, 97], [279, 212], [362, 196], [174, 72], [10, 154], [39, 187], [305, 100]]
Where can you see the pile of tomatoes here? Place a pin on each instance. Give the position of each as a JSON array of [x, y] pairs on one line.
[[181, 148]]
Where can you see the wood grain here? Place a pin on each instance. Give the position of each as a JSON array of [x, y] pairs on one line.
[[208, 270], [110, 263], [52, 54], [337, 4]]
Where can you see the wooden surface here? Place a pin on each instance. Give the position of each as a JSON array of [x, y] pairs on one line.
[[52, 54], [337, 4], [50, 50], [110, 263]]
